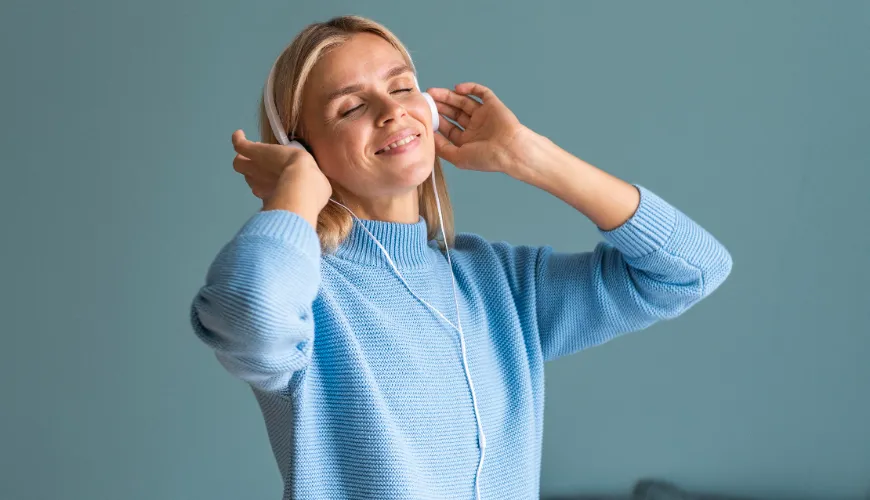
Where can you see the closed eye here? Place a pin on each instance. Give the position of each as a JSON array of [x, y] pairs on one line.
[[355, 108], [351, 110]]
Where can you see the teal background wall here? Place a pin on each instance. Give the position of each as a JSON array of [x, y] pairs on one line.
[[117, 191]]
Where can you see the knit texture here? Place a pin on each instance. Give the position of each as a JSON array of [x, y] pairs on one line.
[[363, 388]]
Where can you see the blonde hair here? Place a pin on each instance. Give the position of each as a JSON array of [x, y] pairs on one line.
[[292, 69]]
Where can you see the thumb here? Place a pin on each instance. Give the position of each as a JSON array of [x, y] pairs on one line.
[[241, 144], [446, 149]]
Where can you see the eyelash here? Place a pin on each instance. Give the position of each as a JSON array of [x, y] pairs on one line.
[[348, 112]]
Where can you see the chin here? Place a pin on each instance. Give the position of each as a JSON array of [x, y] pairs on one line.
[[416, 173]]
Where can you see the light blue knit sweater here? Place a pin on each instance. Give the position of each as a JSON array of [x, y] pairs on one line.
[[363, 388]]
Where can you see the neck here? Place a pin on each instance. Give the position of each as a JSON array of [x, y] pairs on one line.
[[406, 244], [403, 208]]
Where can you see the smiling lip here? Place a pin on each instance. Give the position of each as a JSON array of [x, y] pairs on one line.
[[396, 137], [404, 148]]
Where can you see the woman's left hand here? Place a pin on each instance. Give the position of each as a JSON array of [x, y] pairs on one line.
[[491, 137]]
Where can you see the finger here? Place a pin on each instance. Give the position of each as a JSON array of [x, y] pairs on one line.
[[438, 93], [454, 114], [243, 146], [447, 96], [238, 137], [242, 165], [450, 131], [257, 188], [476, 89], [250, 182], [445, 149], [260, 192], [240, 142]]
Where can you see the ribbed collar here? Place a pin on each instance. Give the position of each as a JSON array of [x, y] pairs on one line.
[[407, 244]]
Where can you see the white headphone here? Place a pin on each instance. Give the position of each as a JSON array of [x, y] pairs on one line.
[[281, 135]]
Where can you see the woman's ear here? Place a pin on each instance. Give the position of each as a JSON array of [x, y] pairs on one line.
[[304, 144]]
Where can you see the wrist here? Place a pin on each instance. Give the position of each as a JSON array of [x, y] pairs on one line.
[[303, 210], [535, 158]]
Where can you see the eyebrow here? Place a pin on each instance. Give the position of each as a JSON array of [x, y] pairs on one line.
[[350, 89]]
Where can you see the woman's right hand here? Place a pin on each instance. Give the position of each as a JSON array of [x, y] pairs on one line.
[[285, 178]]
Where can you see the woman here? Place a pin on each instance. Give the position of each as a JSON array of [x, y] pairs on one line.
[[374, 379]]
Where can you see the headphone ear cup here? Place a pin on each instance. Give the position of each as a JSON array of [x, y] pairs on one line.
[[298, 142], [436, 118]]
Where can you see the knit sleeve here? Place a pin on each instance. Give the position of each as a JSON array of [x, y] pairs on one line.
[[653, 267], [255, 308]]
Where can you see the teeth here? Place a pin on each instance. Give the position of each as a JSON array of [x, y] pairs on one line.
[[402, 142]]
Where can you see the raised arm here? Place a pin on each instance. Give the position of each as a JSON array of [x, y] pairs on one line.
[[655, 261]]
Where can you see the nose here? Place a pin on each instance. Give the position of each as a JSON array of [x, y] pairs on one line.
[[390, 111]]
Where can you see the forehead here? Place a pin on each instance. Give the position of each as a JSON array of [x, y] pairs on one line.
[[363, 56]]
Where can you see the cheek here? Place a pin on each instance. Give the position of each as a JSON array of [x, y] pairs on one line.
[[352, 141], [343, 150], [421, 113], [344, 140]]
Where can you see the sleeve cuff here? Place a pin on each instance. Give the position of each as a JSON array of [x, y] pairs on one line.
[[286, 226], [647, 230]]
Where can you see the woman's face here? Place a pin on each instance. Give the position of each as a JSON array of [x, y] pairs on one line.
[[359, 98]]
